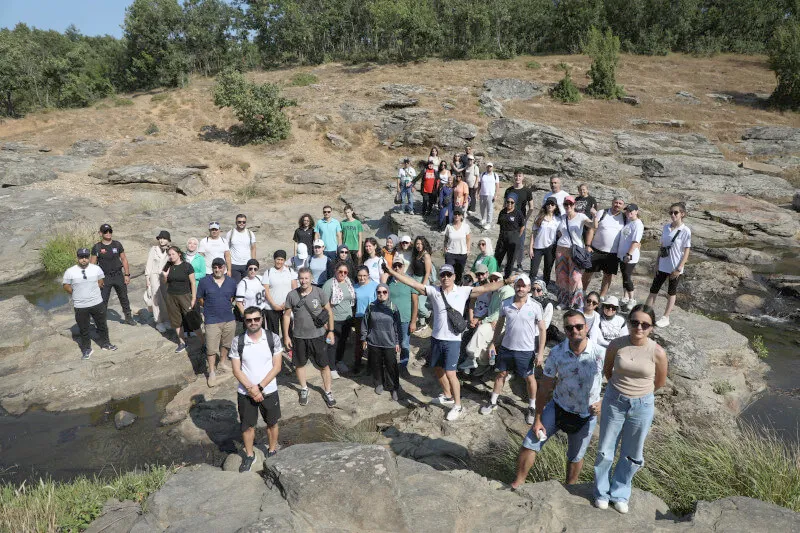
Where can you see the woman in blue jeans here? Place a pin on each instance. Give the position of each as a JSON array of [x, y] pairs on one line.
[[635, 366]]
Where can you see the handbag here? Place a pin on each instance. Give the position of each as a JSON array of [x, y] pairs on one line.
[[569, 422], [455, 320], [580, 256], [193, 320], [663, 251], [321, 318], [397, 198]]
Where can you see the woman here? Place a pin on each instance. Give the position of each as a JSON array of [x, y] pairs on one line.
[[630, 240], [345, 255], [457, 241], [406, 251], [197, 261], [387, 252], [342, 296], [511, 223], [485, 255], [676, 240], [611, 324], [181, 291], [304, 233], [457, 165], [434, 157], [460, 192], [156, 259], [365, 295], [278, 282], [569, 276], [543, 239], [381, 337], [301, 258], [371, 259], [420, 269], [592, 315], [406, 300], [445, 201], [636, 367]]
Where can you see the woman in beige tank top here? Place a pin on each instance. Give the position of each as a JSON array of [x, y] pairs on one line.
[[635, 366]]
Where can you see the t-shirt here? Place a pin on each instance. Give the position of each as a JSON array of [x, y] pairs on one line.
[[280, 283], [257, 359], [344, 309], [365, 295], [328, 232], [489, 181], [251, 292], [510, 222], [304, 327], [400, 296], [631, 233], [217, 299], [350, 231], [374, 266], [683, 240], [239, 243], [108, 256], [575, 228], [545, 234], [304, 236], [213, 248], [559, 196], [85, 292], [319, 269], [584, 204], [606, 236], [471, 173], [461, 194], [457, 298], [457, 238], [522, 325], [178, 281], [406, 176], [524, 196], [428, 180], [482, 303]]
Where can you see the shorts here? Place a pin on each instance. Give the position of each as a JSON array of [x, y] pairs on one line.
[[522, 361], [219, 335], [314, 349], [606, 262], [658, 281], [177, 306], [270, 409], [445, 354], [577, 443], [272, 320]]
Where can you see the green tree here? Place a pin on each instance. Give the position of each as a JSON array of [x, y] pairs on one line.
[[209, 38], [153, 35], [784, 59], [603, 48], [12, 80]]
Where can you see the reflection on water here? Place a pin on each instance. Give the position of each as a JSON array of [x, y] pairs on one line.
[[43, 290]]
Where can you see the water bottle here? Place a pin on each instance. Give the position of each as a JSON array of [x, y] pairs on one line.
[[542, 435], [328, 341], [492, 357]]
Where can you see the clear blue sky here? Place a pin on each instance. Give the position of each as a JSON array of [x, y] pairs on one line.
[[92, 17]]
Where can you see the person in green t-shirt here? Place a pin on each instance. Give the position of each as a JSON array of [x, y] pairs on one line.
[[406, 300], [352, 234]]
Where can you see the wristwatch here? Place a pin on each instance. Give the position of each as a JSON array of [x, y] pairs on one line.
[[260, 388]]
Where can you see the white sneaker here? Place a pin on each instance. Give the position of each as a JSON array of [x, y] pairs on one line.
[[601, 504], [487, 227], [621, 507], [631, 304], [623, 301], [334, 374], [454, 413], [444, 400], [662, 322]]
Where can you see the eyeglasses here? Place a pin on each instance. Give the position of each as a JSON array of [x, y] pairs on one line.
[[674, 212], [446, 275], [480, 273], [342, 272], [574, 327], [253, 320], [611, 307], [217, 267], [481, 244], [252, 269], [592, 302], [637, 324], [241, 222], [381, 292]]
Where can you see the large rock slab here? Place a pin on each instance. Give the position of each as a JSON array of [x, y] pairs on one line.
[[416, 129], [24, 167], [155, 174], [23, 323], [750, 216], [513, 89], [770, 140], [640, 143]]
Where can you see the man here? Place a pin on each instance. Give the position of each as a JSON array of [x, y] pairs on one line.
[[84, 282], [430, 188], [242, 248], [488, 184], [329, 230], [525, 206], [256, 359], [405, 186], [445, 343], [471, 173], [278, 282], [585, 203], [109, 255], [512, 225], [573, 373], [215, 247], [215, 294], [352, 235], [307, 339], [603, 246], [557, 193], [525, 336]]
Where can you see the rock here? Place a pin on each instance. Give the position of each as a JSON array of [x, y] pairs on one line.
[[399, 103], [490, 106], [748, 303], [720, 97], [17, 170], [685, 359], [403, 89], [513, 89], [322, 119], [193, 185], [669, 123], [630, 99], [117, 517], [687, 97], [338, 141], [642, 143], [741, 255], [417, 130], [710, 279], [89, 148], [124, 419], [785, 162], [519, 135], [787, 284], [750, 216], [23, 323], [763, 168], [738, 513], [234, 461], [135, 174], [355, 112], [771, 140]]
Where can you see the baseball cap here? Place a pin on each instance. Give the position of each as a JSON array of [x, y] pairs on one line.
[[498, 275], [318, 242], [218, 261], [489, 164], [405, 238], [213, 225], [105, 227], [470, 156], [163, 235], [302, 251], [569, 198], [83, 252], [523, 278], [342, 248], [398, 260], [481, 268], [632, 207], [551, 200], [446, 268], [611, 300]]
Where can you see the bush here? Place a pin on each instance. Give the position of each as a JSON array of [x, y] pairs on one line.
[[565, 90], [58, 254], [603, 48], [258, 107], [758, 346], [301, 79], [722, 387], [152, 129], [533, 65], [784, 59]]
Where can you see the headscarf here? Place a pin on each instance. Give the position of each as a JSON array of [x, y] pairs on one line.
[[489, 246]]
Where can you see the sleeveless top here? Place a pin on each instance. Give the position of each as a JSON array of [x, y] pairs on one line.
[[418, 267], [635, 369]]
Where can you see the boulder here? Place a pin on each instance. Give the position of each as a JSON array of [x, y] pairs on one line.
[[89, 148], [338, 141], [687, 97], [116, 517], [193, 185], [750, 216], [513, 89], [667, 123], [23, 323], [403, 89], [412, 127], [770, 140], [234, 461], [643, 143], [135, 174], [745, 256], [748, 303], [490, 106], [356, 112], [17, 170], [738, 513], [787, 284], [124, 419]]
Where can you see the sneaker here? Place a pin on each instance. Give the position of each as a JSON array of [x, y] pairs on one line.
[[621, 507], [487, 227], [454, 413], [181, 347], [662, 322], [395, 396], [272, 453], [161, 327], [303, 396], [330, 401], [444, 400], [86, 354], [623, 302], [247, 463], [631, 304], [488, 409], [601, 504], [211, 380], [130, 321], [334, 374], [379, 389], [507, 378], [109, 347], [530, 416]]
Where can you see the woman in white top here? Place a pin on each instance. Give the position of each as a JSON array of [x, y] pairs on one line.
[[612, 324], [434, 156], [592, 315], [156, 259], [371, 259], [457, 241], [630, 240], [543, 239], [676, 240], [569, 277]]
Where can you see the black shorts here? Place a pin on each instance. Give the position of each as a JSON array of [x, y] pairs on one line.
[[270, 409], [658, 281], [606, 262], [313, 349]]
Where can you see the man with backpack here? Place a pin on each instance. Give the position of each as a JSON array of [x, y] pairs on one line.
[[242, 248], [215, 246], [608, 224]]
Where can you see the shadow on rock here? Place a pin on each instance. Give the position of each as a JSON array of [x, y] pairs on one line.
[[219, 419]]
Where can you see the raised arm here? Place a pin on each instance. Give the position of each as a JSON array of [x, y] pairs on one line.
[[406, 279]]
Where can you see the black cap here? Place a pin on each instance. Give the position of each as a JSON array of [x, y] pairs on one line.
[[106, 227], [164, 235], [632, 207], [253, 262], [83, 252], [279, 253], [218, 261]]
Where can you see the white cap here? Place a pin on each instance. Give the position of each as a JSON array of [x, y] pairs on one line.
[[523, 278], [302, 251], [489, 164], [405, 238], [611, 300], [319, 242]]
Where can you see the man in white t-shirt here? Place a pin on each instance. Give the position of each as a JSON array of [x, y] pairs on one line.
[[278, 282], [256, 362], [250, 290], [524, 336], [405, 186], [488, 185], [446, 343], [557, 193], [242, 247], [608, 224], [215, 246], [84, 281]]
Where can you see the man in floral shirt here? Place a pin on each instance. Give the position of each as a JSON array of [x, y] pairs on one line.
[[573, 373]]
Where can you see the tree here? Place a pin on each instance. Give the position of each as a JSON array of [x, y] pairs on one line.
[[784, 59], [603, 48], [11, 75], [153, 34]]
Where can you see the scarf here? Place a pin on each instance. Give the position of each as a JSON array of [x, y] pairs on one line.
[[336, 291]]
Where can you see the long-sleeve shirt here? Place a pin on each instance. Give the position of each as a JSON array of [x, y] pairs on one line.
[[156, 259], [381, 325]]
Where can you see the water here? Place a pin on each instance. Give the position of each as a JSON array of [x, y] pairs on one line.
[[43, 290]]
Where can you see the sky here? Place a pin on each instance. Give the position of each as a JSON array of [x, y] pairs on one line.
[[92, 17]]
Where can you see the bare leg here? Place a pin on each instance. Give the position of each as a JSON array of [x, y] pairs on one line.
[[586, 278], [325, 372], [605, 284], [179, 333], [223, 358], [455, 386], [212, 363], [301, 376], [272, 436], [524, 464], [651, 299], [531, 382], [443, 381], [573, 471], [249, 437], [670, 304]]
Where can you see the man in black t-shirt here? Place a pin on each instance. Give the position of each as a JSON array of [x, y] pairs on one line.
[[525, 206], [584, 203], [109, 255]]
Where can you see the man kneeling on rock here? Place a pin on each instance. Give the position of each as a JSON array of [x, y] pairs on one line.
[[256, 359]]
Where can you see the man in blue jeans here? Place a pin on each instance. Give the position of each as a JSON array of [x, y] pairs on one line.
[[573, 373], [330, 231]]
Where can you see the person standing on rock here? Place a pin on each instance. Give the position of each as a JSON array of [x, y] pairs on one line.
[[341, 294], [380, 338], [250, 291], [156, 259], [329, 230], [365, 295], [676, 240], [557, 193], [569, 276], [372, 258], [635, 366], [242, 247], [584, 202], [197, 261], [489, 181], [256, 359], [215, 246], [457, 243], [543, 239], [405, 187], [446, 338], [109, 255], [278, 282], [604, 244], [352, 236], [628, 253], [525, 206], [471, 174], [180, 293], [84, 282], [407, 303], [308, 304], [303, 234], [430, 188], [460, 192], [320, 264], [511, 222], [573, 374], [216, 293]]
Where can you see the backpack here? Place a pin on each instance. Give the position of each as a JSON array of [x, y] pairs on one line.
[[250, 232], [240, 343]]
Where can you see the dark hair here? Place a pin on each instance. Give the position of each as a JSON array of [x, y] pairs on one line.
[[543, 211], [326, 206], [679, 205], [426, 247], [442, 165], [364, 268], [374, 242], [300, 220], [252, 309], [574, 312], [595, 293], [177, 250], [279, 253], [434, 148], [643, 308], [517, 171], [348, 206], [253, 262], [341, 263], [241, 216]]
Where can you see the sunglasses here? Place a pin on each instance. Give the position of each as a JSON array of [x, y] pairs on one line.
[[319, 247], [241, 222], [537, 289], [510, 202], [342, 272], [635, 324], [592, 302], [84, 274], [214, 229], [674, 212], [217, 267], [576, 327], [326, 212], [253, 320], [446, 275], [107, 231], [481, 244], [480, 273], [252, 269], [381, 292], [344, 251], [568, 203], [612, 307]]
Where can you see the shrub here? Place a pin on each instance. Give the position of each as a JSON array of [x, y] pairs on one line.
[[301, 79], [121, 102], [758, 346], [58, 254], [722, 387], [533, 65], [565, 90], [152, 129], [248, 192], [603, 48], [784, 59], [258, 107]]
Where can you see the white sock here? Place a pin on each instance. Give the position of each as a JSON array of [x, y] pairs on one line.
[[303, 388], [532, 403], [493, 399]]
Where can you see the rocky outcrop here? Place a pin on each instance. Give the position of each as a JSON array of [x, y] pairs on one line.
[[412, 127], [770, 140], [745, 256], [153, 174], [89, 148], [496, 90], [23, 323]]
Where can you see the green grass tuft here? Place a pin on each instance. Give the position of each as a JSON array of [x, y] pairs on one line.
[[758, 346], [58, 253], [302, 79], [121, 102], [533, 65], [248, 192], [152, 129], [722, 387]]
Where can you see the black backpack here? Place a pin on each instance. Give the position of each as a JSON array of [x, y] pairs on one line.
[[240, 343]]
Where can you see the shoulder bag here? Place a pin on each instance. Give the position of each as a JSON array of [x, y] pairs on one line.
[[580, 256], [455, 320], [320, 319]]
